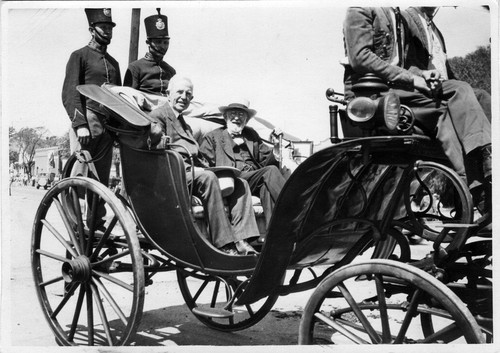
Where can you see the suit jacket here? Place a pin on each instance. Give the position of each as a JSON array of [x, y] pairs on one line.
[[217, 148], [180, 133], [418, 52], [369, 44]]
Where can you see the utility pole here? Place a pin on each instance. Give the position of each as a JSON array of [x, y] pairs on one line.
[[134, 35]]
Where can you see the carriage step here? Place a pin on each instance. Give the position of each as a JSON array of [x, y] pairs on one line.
[[215, 313]]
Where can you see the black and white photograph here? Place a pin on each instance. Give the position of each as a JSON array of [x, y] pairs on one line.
[[184, 176]]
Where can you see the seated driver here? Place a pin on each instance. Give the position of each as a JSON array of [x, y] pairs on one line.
[[227, 234], [375, 43]]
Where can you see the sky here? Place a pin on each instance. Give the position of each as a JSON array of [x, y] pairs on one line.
[[280, 55]]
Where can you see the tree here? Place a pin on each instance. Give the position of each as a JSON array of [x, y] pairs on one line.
[[474, 68], [27, 140]]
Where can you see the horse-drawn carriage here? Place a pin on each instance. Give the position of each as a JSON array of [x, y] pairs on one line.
[[339, 227]]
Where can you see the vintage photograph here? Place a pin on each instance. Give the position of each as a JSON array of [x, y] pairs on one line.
[[261, 174]]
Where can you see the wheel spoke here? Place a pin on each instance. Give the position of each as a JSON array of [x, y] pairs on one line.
[[91, 223], [446, 334], [341, 329], [111, 300], [102, 313], [412, 309], [51, 281], [51, 255], [114, 280], [215, 293], [111, 258], [384, 317], [78, 213], [359, 314], [59, 237], [200, 290], [67, 224], [103, 239], [90, 316], [76, 316], [65, 299]]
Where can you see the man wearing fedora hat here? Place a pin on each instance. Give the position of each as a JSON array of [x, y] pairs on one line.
[[238, 145], [227, 234], [151, 74], [92, 65]]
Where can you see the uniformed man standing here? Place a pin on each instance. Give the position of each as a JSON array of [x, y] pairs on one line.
[[151, 74], [92, 65]]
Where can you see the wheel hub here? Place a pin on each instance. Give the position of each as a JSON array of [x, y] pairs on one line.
[[77, 270]]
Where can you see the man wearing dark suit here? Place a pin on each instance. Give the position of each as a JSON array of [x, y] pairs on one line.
[[376, 42], [151, 73], [427, 50], [237, 145], [227, 235]]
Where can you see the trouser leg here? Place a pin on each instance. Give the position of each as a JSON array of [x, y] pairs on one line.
[[206, 187], [241, 209], [266, 183]]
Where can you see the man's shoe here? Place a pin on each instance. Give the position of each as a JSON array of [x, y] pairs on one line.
[[229, 249], [244, 248]]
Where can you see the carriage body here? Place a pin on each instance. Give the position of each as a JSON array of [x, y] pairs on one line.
[[342, 201]]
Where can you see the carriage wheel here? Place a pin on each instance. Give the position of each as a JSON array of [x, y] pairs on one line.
[[203, 292], [384, 308], [89, 276]]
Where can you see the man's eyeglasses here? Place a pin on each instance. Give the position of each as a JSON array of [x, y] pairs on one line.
[[237, 113]]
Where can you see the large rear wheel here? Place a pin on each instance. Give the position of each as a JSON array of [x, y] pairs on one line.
[[381, 302], [87, 264]]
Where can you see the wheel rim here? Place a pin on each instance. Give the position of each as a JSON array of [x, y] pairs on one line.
[[88, 276], [345, 310], [202, 290]]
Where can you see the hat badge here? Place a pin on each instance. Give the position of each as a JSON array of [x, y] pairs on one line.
[[160, 24], [107, 12]]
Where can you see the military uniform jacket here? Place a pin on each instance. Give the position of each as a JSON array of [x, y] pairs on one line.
[[87, 66], [217, 148], [149, 76]]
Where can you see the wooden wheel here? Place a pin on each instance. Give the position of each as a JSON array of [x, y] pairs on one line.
[[384, 307], [87, 269], [207, 297]]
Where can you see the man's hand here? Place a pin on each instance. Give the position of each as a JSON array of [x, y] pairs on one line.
[[83, 135], [421, 85], [433, 78]]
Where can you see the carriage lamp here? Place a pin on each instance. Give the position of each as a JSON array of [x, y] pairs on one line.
[[382, 110]]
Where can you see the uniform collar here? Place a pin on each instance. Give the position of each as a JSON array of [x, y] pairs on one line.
[[97, 47], [150, 57]]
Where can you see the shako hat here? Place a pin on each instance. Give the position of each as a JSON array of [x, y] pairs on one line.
[[239, 103], [156, 26], [99, 16]]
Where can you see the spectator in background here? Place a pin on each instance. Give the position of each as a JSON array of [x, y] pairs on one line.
[[151, 74]]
